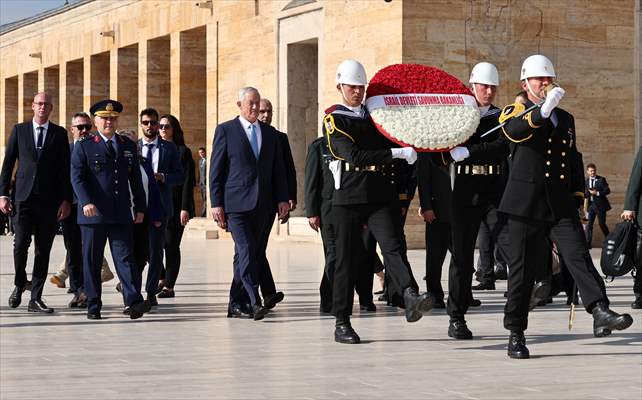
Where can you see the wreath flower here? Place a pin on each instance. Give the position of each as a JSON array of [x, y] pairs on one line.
[[421, 106]]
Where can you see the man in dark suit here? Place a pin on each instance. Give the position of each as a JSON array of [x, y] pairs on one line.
[[104, 168], [168, 172], [597, 188], [542, 197], [247, 185], [202, 178], [633, 211], [42, 195]]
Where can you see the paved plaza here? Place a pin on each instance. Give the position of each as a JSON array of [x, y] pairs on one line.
[[188, 349]]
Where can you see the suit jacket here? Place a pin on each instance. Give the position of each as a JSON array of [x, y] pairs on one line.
[[105, 182], [50, 172], [288, 162], [183, 194], [435, 192], [239, 182], [542, 184], [318, 183], [169, 163], [633, 197], [600, 202], [202, 172]]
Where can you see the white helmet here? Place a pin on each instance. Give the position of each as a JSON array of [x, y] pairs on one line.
[[484, 73], [351, 72], [537, 65]]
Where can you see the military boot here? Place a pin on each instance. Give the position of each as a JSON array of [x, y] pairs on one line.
[[517, 345], [416, 304], [605, 320], [343, 332]]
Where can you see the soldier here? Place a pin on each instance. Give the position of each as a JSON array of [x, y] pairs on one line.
[[104, 167], [364, 195], [544, 191], [478, 187]]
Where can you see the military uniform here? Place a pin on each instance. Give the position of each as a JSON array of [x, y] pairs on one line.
[[478, 187], [367, 196], [542, 196], [103, 177]]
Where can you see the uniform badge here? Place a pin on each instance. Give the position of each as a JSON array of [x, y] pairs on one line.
[[329, 124]]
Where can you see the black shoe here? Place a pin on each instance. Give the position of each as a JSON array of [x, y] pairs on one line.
[[474, 303], [16, 297], [94, 315], [343, 333], [517, 345], [378, 292], [39, 306], [368, 307], [127, 310], [541, 291], [485, 286], [235, 311], [82, 300], [119, 287], [258, 312], [70, 291], [137, 310], [166, 293], [606, 320], [416, 305], [457, 329], [272, 300], [501, 273], [439, 304], [151, 302], [74, 302], [506, 294], [637, 304]]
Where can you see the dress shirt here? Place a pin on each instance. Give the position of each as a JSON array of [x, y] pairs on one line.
[[113, 141], [248, 131], [155, 152], [35, 132]]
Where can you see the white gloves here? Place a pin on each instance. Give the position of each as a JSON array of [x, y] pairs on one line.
[[335, 168], [407, 153], [552, 100], [459, 153]]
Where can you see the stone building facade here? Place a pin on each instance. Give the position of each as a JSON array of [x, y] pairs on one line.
[[189, 58]]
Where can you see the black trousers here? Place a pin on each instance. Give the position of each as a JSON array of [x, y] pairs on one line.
[[593, 212], [528, 254], [33, 216], [637, 280], [328, 237], [384, 223], [73, 245], [438, 239], [465, 225], [173, 236]]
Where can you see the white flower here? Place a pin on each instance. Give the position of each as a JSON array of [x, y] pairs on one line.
[[428, 127]]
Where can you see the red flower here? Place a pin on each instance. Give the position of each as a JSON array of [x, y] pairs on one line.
[[414, 78]]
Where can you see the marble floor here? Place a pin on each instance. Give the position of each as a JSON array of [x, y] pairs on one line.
[[188, 349]]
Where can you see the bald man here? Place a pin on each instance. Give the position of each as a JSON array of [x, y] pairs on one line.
[[42, 195]]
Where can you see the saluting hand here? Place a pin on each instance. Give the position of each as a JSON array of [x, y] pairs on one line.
[[284, 211], [90, 210]]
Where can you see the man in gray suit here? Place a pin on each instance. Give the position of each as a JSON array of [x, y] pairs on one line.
[[202, 178]]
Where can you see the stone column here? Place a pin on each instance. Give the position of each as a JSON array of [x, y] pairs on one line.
[[27, 88], [73, 89], [9, 112], [99, 77], [158, 74], [51, 87], [124, 84]]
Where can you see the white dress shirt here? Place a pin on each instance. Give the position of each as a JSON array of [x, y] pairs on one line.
[[113, 141], [35, 132], [248, 131], [155, 152]]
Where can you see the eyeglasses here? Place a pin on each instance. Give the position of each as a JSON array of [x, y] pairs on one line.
[[149, 122], [42, 104], [82, 127], [165, 126]]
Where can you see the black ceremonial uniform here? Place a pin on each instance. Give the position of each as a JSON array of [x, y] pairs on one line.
[[478, 187], [318, 187], [542, 196], [367, 196]]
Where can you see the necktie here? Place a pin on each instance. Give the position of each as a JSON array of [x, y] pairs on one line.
[[254, 141], [40, 130], [592, 185], [111, 151], [150, 148]]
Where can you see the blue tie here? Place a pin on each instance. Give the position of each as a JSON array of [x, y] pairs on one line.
[[254, 141]]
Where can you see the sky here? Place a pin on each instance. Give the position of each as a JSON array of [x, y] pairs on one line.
[[14, 10]]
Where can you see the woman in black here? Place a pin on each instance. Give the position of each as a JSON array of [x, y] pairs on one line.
[[183, 200]]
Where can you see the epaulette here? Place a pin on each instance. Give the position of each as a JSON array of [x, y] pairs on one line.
[[511, 111], [89, 136], [329, 110]]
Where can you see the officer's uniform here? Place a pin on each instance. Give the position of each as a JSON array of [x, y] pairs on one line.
[[542, 196], [367, 196], [478, 187], [104, 179], [319, 186]]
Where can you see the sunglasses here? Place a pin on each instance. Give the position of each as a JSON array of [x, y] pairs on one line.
[[149, 122], [165, 126], [84, 127]]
